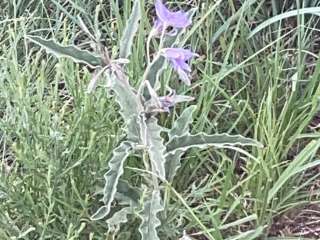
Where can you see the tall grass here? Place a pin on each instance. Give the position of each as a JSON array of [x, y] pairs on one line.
[[56, 139]]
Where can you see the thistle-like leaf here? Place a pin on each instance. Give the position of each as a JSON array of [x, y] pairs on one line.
[[156, 148], [130, 30], [179, 128], [129, 102], [202, 140], [150, 222], [127, 194], [125, 95], [120, 154], [76, 54], [181, 124], [100, 213], [119, 217], [158, 65]]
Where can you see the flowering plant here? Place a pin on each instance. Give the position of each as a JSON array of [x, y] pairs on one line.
[[160, 155]]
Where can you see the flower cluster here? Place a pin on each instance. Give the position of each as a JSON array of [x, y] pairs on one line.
[[177, 57]]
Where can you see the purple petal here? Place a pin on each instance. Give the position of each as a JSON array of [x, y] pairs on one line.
[[178, 53], [183, 65], [178, 19], [184, 77], [175, 19], [162, 12], [174, 64], [178, 58]]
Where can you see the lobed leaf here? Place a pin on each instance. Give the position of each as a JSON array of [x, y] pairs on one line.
[[131, 107], [125, 96], [181, 125], [156, 148], [130, 30], [150, 222], [120, 154], [100, 213], [179, 128], [76, 54], [202, 140], [127, 193], [119, 217]]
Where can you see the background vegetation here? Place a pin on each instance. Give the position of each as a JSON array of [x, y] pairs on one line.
[[55, 139]]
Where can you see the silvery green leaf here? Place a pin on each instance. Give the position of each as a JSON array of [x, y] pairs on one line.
[[131, 107], [155, 71], [158, 65], [130, 30], [180, 127], [153, 104], [119, 217], [202, 140], [94, 81], [181, 124], [100, 213], [125, 96], [76, 54], [150, 221], [127, 194], [120, 154], [156, 148], [182, 98]]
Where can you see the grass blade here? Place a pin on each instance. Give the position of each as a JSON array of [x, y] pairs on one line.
[[294, 167], [130, 30], [302, 11]]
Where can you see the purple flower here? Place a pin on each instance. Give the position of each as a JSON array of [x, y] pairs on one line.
[[167, 18], [178, 58], [163, 103]]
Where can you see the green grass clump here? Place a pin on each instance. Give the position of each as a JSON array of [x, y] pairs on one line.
[[56, 139]]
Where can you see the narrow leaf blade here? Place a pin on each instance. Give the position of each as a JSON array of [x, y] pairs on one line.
[[310, 10], [130, 30], [294, 166]]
